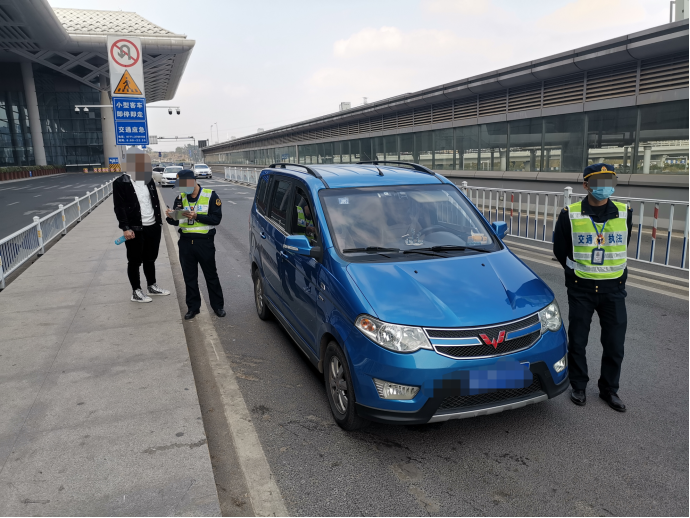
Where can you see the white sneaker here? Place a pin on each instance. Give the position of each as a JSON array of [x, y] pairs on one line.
[[155, 290], [138, 296]]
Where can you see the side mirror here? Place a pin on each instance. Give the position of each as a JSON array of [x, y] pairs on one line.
[[500, 228], [297, 245]]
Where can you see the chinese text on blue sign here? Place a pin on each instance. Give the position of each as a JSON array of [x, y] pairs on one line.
[[131, 128]]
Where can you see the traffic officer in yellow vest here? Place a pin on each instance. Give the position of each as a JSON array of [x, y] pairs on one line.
[[590, 242], [305, 223], [202, 212]]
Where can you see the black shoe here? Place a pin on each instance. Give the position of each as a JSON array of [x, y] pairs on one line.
[[578, 397], [220, 312], [613, 401], [191, 314]]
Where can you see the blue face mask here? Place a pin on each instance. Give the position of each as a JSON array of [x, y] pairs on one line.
[[602, 193], [187, 190]]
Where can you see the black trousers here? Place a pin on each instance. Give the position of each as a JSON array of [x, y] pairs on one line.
[[613, 319], [143, 249], [195, 253]]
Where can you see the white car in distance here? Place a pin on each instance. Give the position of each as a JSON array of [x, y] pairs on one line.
[[168, 177], [202, 171]]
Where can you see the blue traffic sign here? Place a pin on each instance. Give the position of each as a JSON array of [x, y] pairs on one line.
[[131, 126]]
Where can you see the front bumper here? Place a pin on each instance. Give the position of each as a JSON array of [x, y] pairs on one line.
[[425, 368]]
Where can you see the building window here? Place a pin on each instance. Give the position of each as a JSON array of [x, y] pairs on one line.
[[611, 137], [444, 154], [493, 145], [663, 147], [467, 146], [424, 149], [564, 137], [525, 145], [406, 147]]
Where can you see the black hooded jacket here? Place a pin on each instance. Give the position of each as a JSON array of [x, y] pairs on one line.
[[127, 209]]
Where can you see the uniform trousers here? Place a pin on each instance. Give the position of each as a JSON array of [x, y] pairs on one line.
[[613, 319], [195, 253], [143, 249]]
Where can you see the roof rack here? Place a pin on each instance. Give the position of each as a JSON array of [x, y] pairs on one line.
[[414, 166], [309, 170]]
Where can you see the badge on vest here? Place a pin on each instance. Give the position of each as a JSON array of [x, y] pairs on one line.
[[598, 256]]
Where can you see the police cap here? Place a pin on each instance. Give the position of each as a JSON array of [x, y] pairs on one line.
[[607, 170], [186, 174]]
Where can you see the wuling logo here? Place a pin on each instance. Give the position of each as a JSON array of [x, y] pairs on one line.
[[495, 341]]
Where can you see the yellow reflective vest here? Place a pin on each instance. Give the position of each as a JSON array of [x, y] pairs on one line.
[[615, 243], [201, 208]]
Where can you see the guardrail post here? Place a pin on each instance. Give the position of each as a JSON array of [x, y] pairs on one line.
[[567, 192], [654, 225], [639, 230], [40, 235], [76, 198], [89, 195], [463, 187], [670, 231], [2, 274], [64, 225]]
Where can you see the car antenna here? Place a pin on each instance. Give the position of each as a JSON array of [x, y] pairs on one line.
[[380, 172]]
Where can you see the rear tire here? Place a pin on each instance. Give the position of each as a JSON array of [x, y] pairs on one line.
[[259, 298], [340, 390]]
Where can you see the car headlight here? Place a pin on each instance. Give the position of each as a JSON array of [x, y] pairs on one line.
[[404, 339], [550, 318]]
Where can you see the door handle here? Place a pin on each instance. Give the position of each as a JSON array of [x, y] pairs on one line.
[[263, 235], [307, 289], [320, 297], [283, 255]]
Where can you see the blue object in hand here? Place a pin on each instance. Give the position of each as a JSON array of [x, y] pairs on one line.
[[120, 240]]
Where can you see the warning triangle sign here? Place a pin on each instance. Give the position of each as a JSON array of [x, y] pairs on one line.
[[127, 85]]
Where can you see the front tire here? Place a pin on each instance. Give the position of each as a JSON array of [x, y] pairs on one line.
[[340, 390], [259, 298]]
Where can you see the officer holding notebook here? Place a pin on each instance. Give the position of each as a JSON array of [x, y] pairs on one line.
[[197, 211], [591, 243]]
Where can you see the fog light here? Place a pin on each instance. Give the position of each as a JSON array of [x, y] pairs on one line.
[[561, 364], [389, 390]]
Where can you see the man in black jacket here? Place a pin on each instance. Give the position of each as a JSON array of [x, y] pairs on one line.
[[139, 215], [202, 211], [604, 290]]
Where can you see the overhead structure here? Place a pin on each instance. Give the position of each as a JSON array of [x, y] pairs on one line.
[[73, 44]]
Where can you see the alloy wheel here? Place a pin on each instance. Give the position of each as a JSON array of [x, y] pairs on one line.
[[338, 384], [258, 296]]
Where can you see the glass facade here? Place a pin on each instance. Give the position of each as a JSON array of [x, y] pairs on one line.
[[559, 143], [69, 137], [15, 136]]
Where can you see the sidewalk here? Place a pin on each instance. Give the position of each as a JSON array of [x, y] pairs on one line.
[[99, 408]]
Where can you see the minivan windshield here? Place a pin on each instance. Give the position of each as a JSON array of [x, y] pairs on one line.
[[410, 222]]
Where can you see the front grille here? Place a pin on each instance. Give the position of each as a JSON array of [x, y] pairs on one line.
[[491, 332], [462, 402], [504, 347]]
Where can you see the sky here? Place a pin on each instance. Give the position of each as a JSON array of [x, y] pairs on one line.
[[265, 64]]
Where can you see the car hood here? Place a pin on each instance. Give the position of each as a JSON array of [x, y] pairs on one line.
[[460, 291], [170, 175]]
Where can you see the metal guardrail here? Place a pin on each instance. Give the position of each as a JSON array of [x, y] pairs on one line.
[[19, 247], [242, 174], [523, 210]]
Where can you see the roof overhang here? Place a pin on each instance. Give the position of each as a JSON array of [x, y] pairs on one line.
[[72, 42]]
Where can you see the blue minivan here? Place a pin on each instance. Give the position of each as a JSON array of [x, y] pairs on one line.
[[398, 290]]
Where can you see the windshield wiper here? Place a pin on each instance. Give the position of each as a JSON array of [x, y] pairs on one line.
[[445, 248], [370, 250], [422, 251]]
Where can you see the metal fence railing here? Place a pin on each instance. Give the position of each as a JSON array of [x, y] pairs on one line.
[[21, 246], [533, 214], [246, 175]]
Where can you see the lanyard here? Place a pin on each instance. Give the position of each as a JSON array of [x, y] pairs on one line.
[[600, 236]]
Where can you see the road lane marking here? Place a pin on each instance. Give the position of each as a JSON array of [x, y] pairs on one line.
[[230, 201], [37, 196], [249, 198], [12, 203], [556, 264]]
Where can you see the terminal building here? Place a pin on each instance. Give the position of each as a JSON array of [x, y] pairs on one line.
[[53, 59], [622, 101]]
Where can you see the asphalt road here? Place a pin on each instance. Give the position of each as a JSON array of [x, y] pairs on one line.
[[22, 200], [552, 458]]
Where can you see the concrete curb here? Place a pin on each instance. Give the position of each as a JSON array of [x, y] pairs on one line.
[[264, 494]]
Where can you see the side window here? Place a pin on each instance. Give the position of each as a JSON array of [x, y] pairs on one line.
[[303, 220], [279, 202], [262, 194]]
